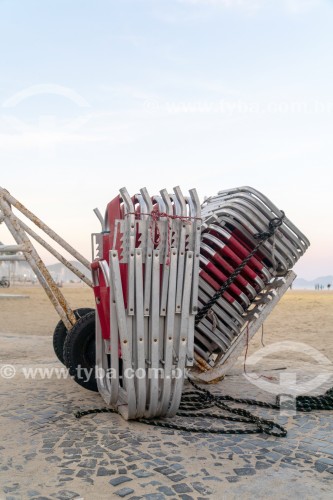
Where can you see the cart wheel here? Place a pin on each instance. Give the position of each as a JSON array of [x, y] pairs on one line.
[[60, 333], [80, 352]]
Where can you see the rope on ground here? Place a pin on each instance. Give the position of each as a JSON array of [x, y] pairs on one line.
[[194, 404]]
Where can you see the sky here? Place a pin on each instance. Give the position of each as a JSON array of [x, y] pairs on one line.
[[210, 94]]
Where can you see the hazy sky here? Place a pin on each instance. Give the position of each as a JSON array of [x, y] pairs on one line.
[[212, 94]]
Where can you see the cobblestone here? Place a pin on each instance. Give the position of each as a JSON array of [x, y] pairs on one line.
[[104, 454]]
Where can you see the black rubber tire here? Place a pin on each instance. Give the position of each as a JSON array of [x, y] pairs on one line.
[[80, 351], [60, 333]]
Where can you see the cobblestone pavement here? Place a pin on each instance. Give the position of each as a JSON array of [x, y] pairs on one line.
[[48, 454]]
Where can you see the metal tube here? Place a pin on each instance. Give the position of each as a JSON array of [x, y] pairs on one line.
[[100, 218], [11, 257], [56, 254], [11, 200], [38, 266], [12, 248]]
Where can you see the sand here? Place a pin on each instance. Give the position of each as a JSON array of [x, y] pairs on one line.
[[36, 315], [300, 316]]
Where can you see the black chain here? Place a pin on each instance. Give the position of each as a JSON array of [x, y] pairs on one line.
[[273, 225]]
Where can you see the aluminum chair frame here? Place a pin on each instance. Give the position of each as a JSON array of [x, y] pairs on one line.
[[259, 224], [291, 239], [151, 315], [230, 221], [271, 206], [237, 247], [245, 226]]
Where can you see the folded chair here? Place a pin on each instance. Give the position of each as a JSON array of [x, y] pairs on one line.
[[145, 275], [233, 222]]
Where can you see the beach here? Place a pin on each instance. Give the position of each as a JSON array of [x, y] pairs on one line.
[[46, 453], [300, 316]]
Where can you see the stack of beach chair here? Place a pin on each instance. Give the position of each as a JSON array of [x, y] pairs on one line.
[[159, 260], [232, 222], [145, 275]]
